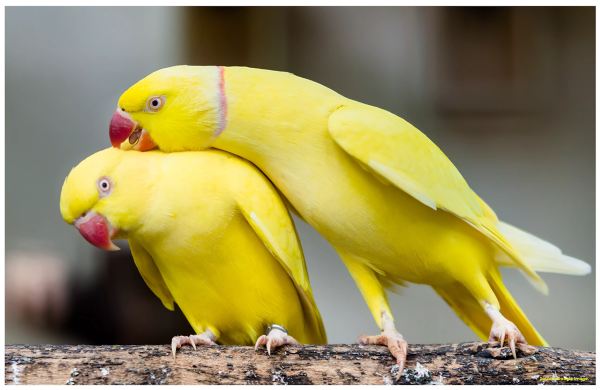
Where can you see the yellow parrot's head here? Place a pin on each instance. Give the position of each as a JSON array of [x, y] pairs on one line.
[[177, 108], [100, 197]]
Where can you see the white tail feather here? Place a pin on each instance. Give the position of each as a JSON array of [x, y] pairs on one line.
[[540, 255]]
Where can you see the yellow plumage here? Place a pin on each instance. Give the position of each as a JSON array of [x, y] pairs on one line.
[[207, 230], [388, 200]]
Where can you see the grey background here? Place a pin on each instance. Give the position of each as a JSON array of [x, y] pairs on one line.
[[506, 93]]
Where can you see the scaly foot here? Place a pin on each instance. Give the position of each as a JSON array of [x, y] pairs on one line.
[[393, 339], [504, 329], [276, 336], [206, 338]]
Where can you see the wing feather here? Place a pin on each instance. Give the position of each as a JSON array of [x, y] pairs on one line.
[[268, 215], [151, 274], [395, 150]]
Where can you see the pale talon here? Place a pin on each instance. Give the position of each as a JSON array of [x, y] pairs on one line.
[[175, 343], [512, 348], [503, 328], [206, 338], [275, 338], [259, 342], [393, 339], [404, 346]]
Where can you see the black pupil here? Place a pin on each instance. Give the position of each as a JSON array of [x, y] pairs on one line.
[[155, 102], [104, 184]]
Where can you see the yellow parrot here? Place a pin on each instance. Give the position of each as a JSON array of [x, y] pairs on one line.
[[387, 199], [206, 230]]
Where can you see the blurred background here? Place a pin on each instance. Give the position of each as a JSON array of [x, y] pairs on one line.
[[507, 93]]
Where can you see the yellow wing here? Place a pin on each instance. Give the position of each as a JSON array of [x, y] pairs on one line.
[[487, 211], [151, 274], [268, 215], [398, 153]]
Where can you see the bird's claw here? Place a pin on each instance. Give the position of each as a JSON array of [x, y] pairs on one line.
[[274, 339], [507, 330], [193, 340], [395, 342], [261, 341], [176, 342]]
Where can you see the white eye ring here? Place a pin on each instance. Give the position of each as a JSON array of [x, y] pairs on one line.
[[155, 103], [105, 186]]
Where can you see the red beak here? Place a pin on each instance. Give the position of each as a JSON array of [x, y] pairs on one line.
[[94, 228], [121, 127]]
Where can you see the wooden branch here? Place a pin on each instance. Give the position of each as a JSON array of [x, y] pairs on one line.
[[466, 363]]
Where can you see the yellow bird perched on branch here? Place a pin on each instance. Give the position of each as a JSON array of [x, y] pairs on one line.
[[387, 199], [206, 230]]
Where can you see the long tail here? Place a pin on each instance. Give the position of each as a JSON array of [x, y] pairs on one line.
[[538, 254], [470, 311], [535, 254]]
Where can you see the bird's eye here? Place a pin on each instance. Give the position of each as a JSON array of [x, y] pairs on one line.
[[104, 185], [155, 103]]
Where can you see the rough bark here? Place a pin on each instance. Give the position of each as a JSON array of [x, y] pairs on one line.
[[466, 363]]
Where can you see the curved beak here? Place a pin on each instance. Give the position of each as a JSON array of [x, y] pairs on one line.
[[123, 128], [120, 128], [96, 230]]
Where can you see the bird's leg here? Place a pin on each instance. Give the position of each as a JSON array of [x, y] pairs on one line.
[[390, 337], [369, 283], [206, 338], [503, 329], [276, 336]]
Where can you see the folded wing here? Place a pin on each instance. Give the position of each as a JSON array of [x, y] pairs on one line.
[[396, 152]]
